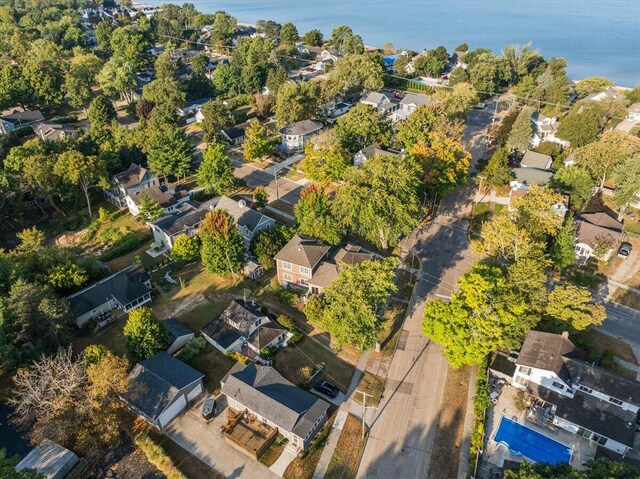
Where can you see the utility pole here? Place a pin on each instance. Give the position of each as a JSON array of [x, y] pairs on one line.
[[364, 406], [275, 175]]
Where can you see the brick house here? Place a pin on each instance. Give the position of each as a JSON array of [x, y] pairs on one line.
[[307, 263]]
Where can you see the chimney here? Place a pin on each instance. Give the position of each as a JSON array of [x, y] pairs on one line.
[[565, 334]]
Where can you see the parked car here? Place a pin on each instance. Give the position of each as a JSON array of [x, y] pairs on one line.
[[209, 409], [625, 249], [326, 388]]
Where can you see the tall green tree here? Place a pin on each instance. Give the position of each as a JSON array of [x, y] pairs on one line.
[[216, 117], [222, 249], [289, 33], [362, 126], [627, 177], [573, 306], [563, 253], [423, 121], [521, 131], [185, 248], [101, 113], [118, 78], [43, 68], [354, 301], [325, 159], [313, 38], [315, 217], [149, 209], [266, 244], [169, 151], [590, 85], [80, 77], [257, 143], [595, 469], [296, 102], [145, 334], [215, 173], [14, 88], [379, 206], [583, 123], [497, 172], [480, 318], [576, 182], [81, 170], [354, 73], [224, 25]]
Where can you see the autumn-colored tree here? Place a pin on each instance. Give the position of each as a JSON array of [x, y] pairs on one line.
[[223, 249], [325, 159], [257, 143], [570, 306]]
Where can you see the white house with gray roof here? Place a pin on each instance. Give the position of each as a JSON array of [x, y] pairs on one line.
[[126, 290], [249, 221], [372, 150], [262, 391], [135, 178], [296, 135], [589, 401], [409, 103], [245, 328]]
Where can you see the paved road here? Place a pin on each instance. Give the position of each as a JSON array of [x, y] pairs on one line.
[[402, 435], [622, 322]]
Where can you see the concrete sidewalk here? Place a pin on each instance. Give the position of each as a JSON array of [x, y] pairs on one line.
[[283, 462]]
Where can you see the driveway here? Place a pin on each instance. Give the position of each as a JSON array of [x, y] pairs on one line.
[[282, 188], [206, 443]]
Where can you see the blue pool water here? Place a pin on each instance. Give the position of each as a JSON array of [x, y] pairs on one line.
[[526, 442]]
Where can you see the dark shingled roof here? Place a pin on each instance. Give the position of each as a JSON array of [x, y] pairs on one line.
[[502, 365], [263, 390], [303, 251], [235, 321], [189, 218], [133, 176], [155, 382], [546, 351], [176, 329], [221, 332], [591, 413], [265, 334], [19, 116], [375, 149], [125, 286], [154, 193], [604, 381], [303, 127], [235, 132]]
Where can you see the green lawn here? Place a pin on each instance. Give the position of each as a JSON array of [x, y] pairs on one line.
[[308, 353], [214, 365], [112, 337], [272, 454], [480, 214]]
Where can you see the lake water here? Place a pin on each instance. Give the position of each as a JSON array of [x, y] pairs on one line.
[[597, 37]]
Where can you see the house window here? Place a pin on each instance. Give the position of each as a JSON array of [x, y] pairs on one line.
[[304, 282], [558, 385], [305, 271], [585, 389], [615, 401], [522, 381], [286, 265], [525, 370], [287, 277], [599, 439], [584, 432]]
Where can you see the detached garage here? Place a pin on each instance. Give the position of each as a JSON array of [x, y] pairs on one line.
[[161, 387]]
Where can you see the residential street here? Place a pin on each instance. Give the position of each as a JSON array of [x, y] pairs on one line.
[[622, 322], [401, 437], [287, 190]]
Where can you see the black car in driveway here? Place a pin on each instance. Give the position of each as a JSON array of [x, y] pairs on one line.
[[326, 388]]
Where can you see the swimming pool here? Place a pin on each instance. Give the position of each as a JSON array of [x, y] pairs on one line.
[[522, 441]]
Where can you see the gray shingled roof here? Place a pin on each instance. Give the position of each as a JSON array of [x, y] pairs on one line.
[[303, 127], [263, 390], [242, 314], [52, 131], [176, 329], [533, 159], [265, 334], [133, 176], [155, 382], [373, 97], [533, 176], [237, 131], [303, 251], [418, 100], [189, 218], [546, 351], [592, 227], [241, 213], [125, 286], [375, 149], [154, 193], [591, 413], [19, 116]]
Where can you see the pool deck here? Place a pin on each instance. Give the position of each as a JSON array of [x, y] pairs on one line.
[[496, 454]]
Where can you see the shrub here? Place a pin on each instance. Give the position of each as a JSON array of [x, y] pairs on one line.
[[158, 457], [238, 357], [285, 295], [124, 245], [305, 373], [192, 349], [269, 352], [290, 325], [606, 360], [481, 401]]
